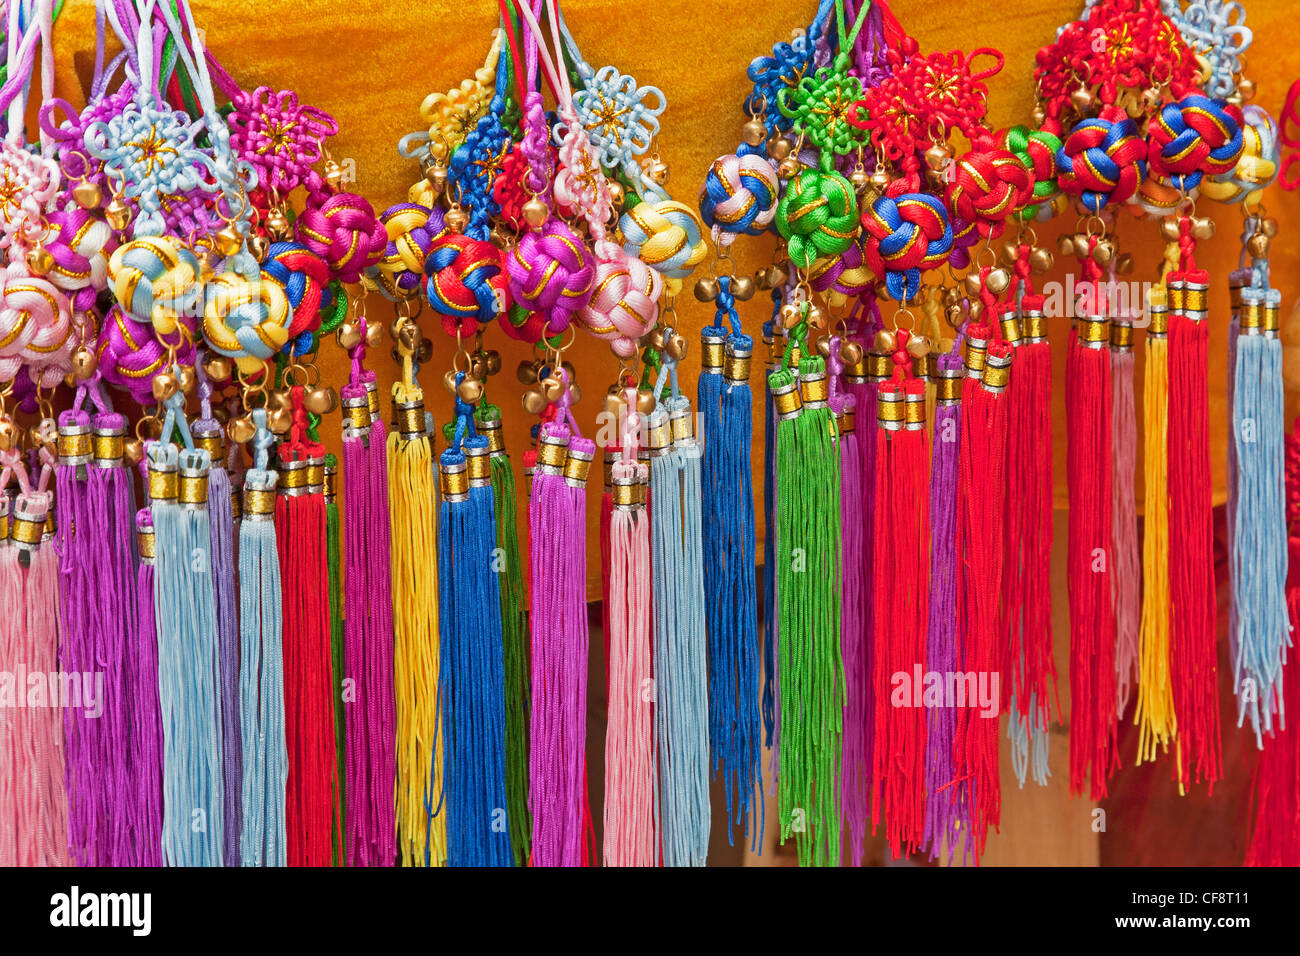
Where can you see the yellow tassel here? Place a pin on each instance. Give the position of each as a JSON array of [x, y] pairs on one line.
[[414, 508], [1155, 717]]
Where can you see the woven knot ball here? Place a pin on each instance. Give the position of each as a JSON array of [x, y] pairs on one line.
[[466, 282], [344, 231], [1257, 165], [624, 303], [1193, 138], [551, 272], [907, 233], [818, 216], [80, 246], [411, 229], [987, 186], [1036, 150], [664, 234], [156, 279], [1101, 161], [130, 354], [246, 321], [304, 277], [841, 277], [35, 319], [739, 195]]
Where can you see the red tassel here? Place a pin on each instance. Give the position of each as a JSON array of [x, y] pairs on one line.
[[311, 794], [901, 587], [981, 530], [1275, 816], [1093, 717], [1193, 656], [1028, 594]]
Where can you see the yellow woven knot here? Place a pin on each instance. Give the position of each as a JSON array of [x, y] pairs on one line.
[[666, 235], [451, 115], [156, 279]]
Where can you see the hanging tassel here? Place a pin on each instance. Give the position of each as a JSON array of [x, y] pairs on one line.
[[855, 638], [631, 831], [146, 740], [369, 713], [300, 531], [1028, 607], [185, 622], [1258, 530], [810, 661], [1124, 537], [33, 797], [85, 649], [729, 538], [472, 668], [1155, 718], [768, 704], [980, 528], [264, 838], [1193, 658], [208, 436], [1093, 724], [1275, 806], [560, 641], [334, 572], [680, 639], [902, 577], [514, 631], [945, 807]]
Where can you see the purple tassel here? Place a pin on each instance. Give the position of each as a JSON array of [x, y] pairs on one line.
[[146, 715], [943, 809]]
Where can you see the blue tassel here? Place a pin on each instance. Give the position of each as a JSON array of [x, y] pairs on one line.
[[185, 615], [1258, 527], [264, 839], [735, 722], [472, 665], [681, 642]]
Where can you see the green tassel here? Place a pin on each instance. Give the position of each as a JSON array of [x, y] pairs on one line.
[[515, 636], [336, 655], [811, 665]]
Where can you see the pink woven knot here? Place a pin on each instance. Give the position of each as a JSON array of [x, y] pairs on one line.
[[624, 303], [344, 231], [35, 319], [551, 272]]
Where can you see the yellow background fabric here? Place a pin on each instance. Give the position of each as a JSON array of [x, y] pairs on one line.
[[370, 65]]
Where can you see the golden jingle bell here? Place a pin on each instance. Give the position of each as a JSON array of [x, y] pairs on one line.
[[645, 401], [1040, 260], [279, 421], [788, 168], [436, 174], [918, 346], [133, 452], [1257, 245], [186, 379], [164, 386], [333, 174], [791, 315], [886, 342], [536, 213], [277, 223], [850, 352], [11, 434], [1010, 253], [617, 194], [424, 353], [259, 247], [656, 169], [1103, 252], [218, 368], [84, 363], [492, 361], [816, 317], [676, 346], [938, 156], [575, 392], [973, 284], [88, 195], [526, 373], [998, 281], [778, 147], [1169, 229], [706, 289], [534, 401], [320, 400], [348, 336], [1065, 244], [39, 260], [1124, 264], [552, 388], [408, 337], [241, 430], [742, 287], [118, 214], [1202, 227], [374, 335], [754, 132], [456, 219], [227, 241], [1082, 100]]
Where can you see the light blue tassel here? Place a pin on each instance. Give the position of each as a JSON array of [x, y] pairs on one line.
[[472, 663], [1258, 528], [264, 837], [185, 616], [681, 641]]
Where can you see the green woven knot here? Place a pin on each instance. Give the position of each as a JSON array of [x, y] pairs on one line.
[[818, 109], [1036, 150], [817, 216]]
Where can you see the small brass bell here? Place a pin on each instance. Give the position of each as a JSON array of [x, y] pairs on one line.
[[424, 352], [455, 219], [186, 379], [1065, 244], [333, 174], [552, 388], [886, 342], [534, 401], [1010, 253], [279, 421], [676, 346], [816, 317], [1124, 264], [754, 132], [998, 280], [918, 346], [742, 287], [118, 214], [319, 400], [492, 361], [10, 434], [860, 179], [277, 223], [1081, 99], [164, 386], [470, 390], [1257, 245], [88, 195], [850, 353], [39, 260], [778, 147], [645, 401], [408, 338], [791, 315], [349, 336], [1040, 261], [241, 430], [575, 393], [259, 247], [824, 347], [973, 284], [228, 241], [536, 213], [788, 168], [617, 195], [436, 174], [84, 363], [1203, 227], [133, 452], [218, 368], [938, 156], [527, 373], [706, 289], [1103, 252], [1169, 229], [374, 334]]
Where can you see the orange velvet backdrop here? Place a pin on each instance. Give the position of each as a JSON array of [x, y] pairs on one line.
[[370, 64]]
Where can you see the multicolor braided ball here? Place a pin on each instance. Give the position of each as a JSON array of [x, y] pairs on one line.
[[551, 272], [666, 235], [246, 321], [80, 247], [841, 277], [343, 230], [156, 279], [987, 186], [1101, 162], [1036, 150], [1258, 165], [739, 195], [35, 319], [906, 234], [466, 283], [1193, 138], [304, 277], [818, 216], [624, 304], [411, 229]]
